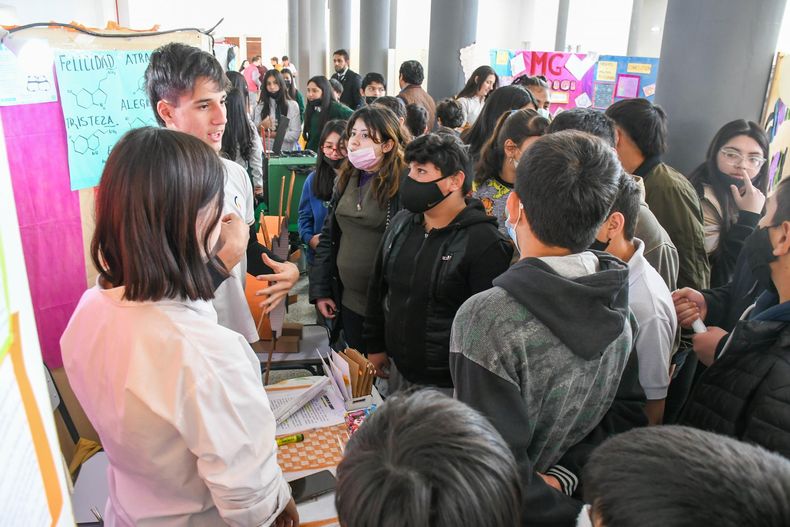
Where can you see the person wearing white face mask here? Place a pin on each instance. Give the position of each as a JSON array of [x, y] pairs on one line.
[[365, 200], [538, 86], [495, 173]]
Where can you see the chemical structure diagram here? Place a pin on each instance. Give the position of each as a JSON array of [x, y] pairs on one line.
[[82, 144], [137, 122], [98, 97]]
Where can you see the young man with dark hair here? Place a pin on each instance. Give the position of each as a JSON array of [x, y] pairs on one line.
[[437, 252], [410, 78], [252, 75], [648, 297], [542, 352], [424, 459], [373, 86], [351, 81], [678, 476], [641, 129], [659, 250], [449, 116], [187, 88], [744, 393]]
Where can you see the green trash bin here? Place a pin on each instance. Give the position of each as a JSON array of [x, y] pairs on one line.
[[280, 168]]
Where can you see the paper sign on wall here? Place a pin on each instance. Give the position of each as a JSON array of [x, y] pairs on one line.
[[29, 80], [583, 101], [627, 86], [103, 96], [607, 71], [502, 57], [579, 67], [649, 90], [642, 69], [603, 94], [517, 65]]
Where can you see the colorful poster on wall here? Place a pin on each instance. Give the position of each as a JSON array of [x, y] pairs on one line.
[[33, 489], [581, 80], [776, 119], [632, 77], [26, 75], [103, 96]]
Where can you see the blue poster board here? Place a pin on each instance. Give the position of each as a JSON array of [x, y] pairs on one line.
[[617, 78], [103, 96]]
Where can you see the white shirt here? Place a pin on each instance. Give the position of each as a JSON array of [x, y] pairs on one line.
[[651, 302], [471, 108], [233, 312], [180, 409]]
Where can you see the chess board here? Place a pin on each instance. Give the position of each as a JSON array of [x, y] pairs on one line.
[[322, 448]]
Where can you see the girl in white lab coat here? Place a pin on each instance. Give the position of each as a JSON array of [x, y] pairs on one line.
[[176, 398]]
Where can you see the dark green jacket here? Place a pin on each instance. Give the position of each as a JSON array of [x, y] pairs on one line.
[[312, 130], [675, 203]]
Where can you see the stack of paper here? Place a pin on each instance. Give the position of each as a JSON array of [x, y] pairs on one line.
[[300, 407], [352, 374]]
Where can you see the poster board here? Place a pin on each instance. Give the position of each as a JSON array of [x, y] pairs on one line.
[[775, 119], [34, 488], [55, 222], [578, 79]]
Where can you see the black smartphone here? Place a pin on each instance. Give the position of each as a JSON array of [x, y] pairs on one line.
[[312, 486]]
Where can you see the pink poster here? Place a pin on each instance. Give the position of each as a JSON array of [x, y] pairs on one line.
[[49, 217], [569, 74]]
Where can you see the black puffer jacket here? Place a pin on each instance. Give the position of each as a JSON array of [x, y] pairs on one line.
[[745, 394], [452, 264]]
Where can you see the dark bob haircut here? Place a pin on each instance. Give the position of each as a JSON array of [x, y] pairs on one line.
[[154, 185], [173, 71], [426, 459]]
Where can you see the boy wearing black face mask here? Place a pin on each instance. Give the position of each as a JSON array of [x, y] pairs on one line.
[[744, 393], [437, 253]]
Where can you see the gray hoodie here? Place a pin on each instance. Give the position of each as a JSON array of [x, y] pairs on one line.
[[541, 353]]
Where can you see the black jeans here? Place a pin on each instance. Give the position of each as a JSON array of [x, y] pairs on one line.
[[352, 329]]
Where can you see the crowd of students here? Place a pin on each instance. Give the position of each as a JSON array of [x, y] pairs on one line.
[[524, 285]]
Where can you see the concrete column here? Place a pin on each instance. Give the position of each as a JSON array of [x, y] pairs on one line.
[[374, 36], [453, 26], [393, 24], [303, 66], [562, 25], [317, 40], [339, 25], [293, 31], [633, 29], [716, 59]]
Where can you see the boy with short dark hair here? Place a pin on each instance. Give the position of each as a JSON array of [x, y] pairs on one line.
[[187, 89], [437, 252], [542, 352], [373, 86], [424, 459], [679, 476], [648, 297], [450, 116]]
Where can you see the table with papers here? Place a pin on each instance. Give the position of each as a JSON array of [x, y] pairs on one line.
[[322, 422]]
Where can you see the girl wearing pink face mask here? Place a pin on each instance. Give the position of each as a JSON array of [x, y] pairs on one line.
[[364, 201]]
